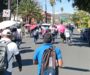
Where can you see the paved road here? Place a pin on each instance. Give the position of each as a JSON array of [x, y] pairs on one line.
[[76, 57]]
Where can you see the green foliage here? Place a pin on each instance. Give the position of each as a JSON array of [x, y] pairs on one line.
[[30, 9], [52, 2], [3, 5], [81, 18], [26, 8], [82, 5]]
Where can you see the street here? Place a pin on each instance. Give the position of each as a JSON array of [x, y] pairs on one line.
[[76, 58]]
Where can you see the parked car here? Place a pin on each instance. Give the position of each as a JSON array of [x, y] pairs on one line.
[[85, 34]]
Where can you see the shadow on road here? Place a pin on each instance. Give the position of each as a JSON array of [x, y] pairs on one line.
[[56, 42], [26, 50], [25, 47], [25, 62], [23, 42], [76, 34], [79, 42], [39, 42], [76, 69]]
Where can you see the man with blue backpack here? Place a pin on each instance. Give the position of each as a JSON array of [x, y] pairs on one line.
[[48, 57]]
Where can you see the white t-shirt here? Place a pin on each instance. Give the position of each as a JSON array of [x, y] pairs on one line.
[[12, 49], [52, 29], [19, 33], [67, 32]]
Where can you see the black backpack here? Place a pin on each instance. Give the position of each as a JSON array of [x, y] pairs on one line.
[[48, 62]]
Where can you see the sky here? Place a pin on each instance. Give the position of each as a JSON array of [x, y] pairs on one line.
[[67, 6]]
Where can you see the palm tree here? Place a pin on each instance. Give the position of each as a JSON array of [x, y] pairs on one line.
[[52, 2], [30, 9], [62, 9]]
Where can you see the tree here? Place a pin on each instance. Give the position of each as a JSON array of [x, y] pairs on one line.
[[81, 18], [52, 2], [3, 5], [62, 9], [82, 5], [30, 9]]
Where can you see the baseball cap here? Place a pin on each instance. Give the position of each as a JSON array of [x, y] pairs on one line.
[[6, 32], [48, 38]]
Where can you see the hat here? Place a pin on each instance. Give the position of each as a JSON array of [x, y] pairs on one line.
[[48, 38], [6, 32]]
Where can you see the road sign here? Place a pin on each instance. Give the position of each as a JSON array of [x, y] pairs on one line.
[[6, 13]]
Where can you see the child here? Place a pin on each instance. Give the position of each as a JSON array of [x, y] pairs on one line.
[[67, 34]]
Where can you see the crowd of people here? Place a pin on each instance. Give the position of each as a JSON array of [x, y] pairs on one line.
[[48, 34], [64, 31]]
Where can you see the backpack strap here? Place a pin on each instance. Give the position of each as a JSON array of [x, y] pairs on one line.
[[45, 60], [7, 54]]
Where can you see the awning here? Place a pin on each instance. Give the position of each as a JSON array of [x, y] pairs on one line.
[[8, 23]]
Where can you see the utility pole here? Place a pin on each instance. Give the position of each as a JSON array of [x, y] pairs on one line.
[[53, 14], [9, 8], [17, 10], [46, 11]]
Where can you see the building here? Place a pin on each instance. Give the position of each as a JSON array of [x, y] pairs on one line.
[[46, 16]]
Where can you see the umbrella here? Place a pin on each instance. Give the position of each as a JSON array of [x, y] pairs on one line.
[[26, 25], [6, 24], [33, 27]]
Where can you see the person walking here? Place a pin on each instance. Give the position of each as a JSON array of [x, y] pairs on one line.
[[67, 35], [35, 35], [61, 30], [37, 59], [12, 50]]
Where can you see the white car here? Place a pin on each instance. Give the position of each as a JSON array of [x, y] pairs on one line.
[[46, 25]]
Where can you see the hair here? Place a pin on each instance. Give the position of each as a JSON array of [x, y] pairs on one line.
[[48, 38], [9, 35]]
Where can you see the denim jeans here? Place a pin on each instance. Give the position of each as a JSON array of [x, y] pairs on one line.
[[7, 73]]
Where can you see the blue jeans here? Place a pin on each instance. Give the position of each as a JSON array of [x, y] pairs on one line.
[[7, 73]]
